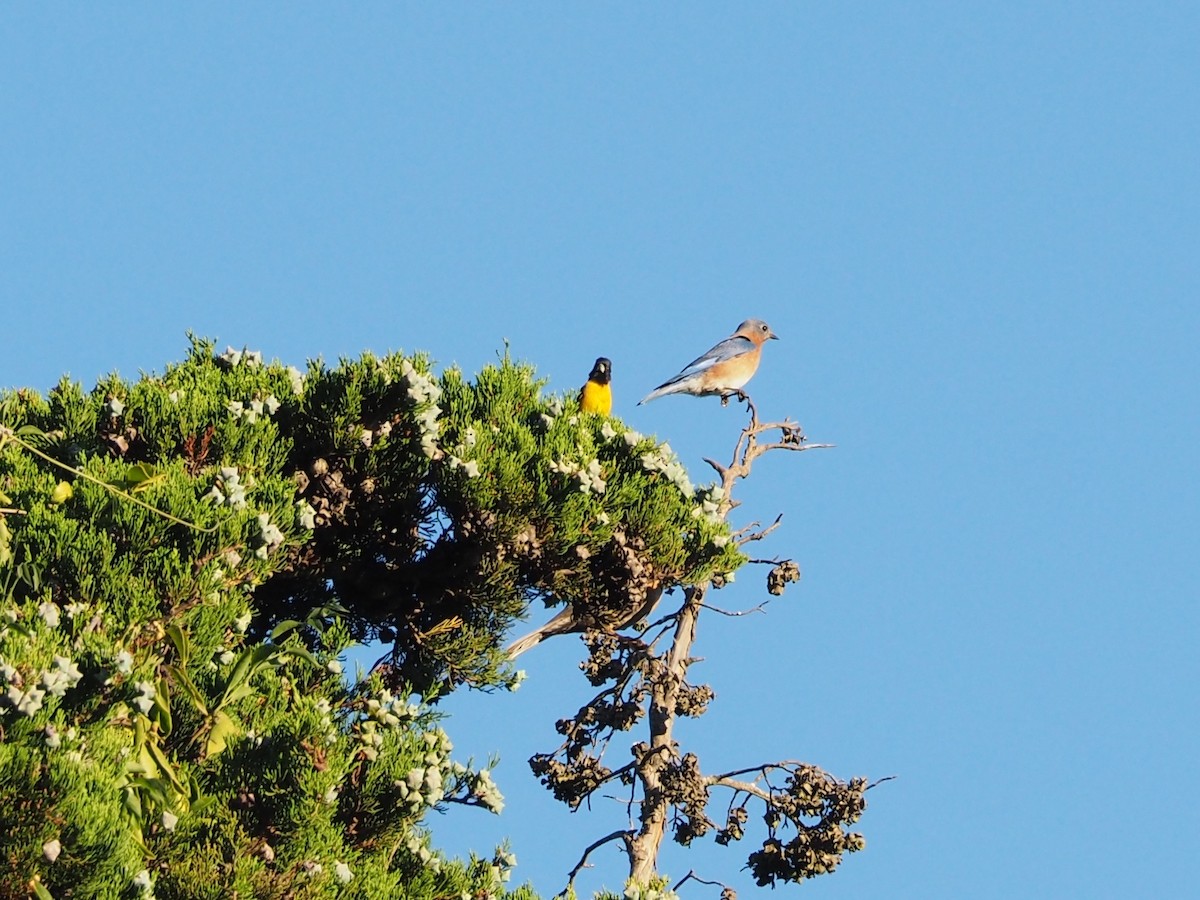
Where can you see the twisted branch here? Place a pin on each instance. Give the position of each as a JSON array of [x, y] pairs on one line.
[[626, 836], [748, 449], [692, 876]]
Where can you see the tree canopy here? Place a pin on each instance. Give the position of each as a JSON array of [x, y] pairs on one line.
[[185, 556]]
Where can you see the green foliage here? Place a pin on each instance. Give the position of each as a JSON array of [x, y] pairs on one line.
[[444, 508], [184, 557]]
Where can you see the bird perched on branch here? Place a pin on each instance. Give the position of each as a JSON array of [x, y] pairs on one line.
[[724, 369], [596, 395]]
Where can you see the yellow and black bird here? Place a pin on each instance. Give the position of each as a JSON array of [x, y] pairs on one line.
[[596, 395]]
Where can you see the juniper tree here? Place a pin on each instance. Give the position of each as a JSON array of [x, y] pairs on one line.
[[643, 676], [184, 557]]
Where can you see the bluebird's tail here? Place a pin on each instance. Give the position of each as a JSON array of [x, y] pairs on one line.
[[680, 384]]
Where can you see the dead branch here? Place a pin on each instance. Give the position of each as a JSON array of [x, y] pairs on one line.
[[692, 876], [759, 535], [748, 787], [748, 449], [736, 613], [762, 769], [721, 470], [626, 836]]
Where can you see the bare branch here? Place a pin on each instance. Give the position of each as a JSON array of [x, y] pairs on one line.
[[753, 410], [759, 535], [616, 773], [625, 836], [748, 787], [692, 876], [747, 449], [665, 620], [762, 769], [739, 612], [787, 445]]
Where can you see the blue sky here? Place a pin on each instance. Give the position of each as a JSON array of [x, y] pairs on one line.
[[974, 226]]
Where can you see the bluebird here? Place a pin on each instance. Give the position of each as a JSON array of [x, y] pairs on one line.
[[724, 369]]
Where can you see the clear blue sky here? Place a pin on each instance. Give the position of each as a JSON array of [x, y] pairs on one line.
[[976, 228]]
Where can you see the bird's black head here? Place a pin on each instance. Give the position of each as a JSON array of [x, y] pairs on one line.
[[602, 371]]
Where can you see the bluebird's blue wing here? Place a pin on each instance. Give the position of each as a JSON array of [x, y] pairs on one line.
[[727, 349]]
